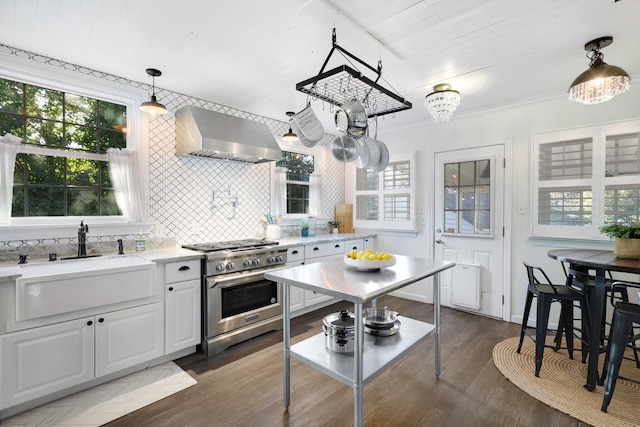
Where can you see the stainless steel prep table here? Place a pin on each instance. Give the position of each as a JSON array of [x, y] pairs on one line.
[[372, 355]]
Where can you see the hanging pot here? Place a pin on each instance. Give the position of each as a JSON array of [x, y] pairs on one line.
[[363, 159], [339, 331], [345, 148], [384, 157], [351, 118]]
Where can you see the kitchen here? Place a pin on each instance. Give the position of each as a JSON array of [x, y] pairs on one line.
[[180, 189]]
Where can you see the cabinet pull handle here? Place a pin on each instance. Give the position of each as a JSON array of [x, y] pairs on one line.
[[101, 319], [184, 268], [90, 322], [170, 288], [294, 253], [354, 248], [316, 248], [336, 246]]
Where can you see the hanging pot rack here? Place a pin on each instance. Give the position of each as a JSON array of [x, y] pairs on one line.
[[343, 83]]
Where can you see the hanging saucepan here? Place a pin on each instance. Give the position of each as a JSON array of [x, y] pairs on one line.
[[374, 153], [303, 139], [339, 331], [363, 159], [351, 118], [345, 148], [384, 157]]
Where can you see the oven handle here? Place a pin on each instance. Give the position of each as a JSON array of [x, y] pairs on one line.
[[212, 282]]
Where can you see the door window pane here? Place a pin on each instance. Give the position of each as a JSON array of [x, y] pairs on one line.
[[467, 197]]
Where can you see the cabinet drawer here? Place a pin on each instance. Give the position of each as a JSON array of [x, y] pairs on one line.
[[295, 253], [353, 245], [323, 249], [180, 271]]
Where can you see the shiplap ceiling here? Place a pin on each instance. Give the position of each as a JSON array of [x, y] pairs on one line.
[[249, 54]]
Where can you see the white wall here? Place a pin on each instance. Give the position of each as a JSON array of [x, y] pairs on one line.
[[517, 123]]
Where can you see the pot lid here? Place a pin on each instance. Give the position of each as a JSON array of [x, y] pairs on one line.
[[344, 319]]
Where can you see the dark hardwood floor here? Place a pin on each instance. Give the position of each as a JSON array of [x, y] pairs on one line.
[[242, 386]]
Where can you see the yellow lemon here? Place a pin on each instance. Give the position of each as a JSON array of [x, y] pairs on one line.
[[387, 257], [353, 254]]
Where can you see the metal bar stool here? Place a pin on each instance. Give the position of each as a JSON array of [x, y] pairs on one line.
[[625, 314], [540, 286]]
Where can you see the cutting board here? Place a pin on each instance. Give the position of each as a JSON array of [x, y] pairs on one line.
[[344, 214]]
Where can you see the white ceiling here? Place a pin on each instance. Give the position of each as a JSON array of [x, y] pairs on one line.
[[249, 54]]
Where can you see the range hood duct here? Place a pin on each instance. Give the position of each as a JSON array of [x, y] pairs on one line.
[[206, 133]]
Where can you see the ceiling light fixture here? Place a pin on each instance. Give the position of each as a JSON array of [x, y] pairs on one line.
[[290, 137], [442, 102], [153, 107], [601, 81]]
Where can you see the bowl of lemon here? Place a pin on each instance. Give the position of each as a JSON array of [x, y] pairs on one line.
[[369, 260]]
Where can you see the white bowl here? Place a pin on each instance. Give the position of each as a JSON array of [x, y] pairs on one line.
[[365, 265]]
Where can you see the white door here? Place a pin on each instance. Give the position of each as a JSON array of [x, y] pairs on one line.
[[469, 227], [182, 315]]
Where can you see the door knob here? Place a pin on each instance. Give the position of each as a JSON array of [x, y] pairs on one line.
[[440, 242]]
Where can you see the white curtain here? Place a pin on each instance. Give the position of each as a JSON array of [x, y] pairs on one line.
[[125, 174], [316, 193], [8, 149], [280, 190]]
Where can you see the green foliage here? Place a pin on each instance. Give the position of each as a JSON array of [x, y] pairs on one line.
[[334, 224], [623, 231], [304, 224]]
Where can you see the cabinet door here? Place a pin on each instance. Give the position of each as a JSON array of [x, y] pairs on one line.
[[369, 243], [127, 337], [40, 361], [353, 245], [296, 301], [182, 315]]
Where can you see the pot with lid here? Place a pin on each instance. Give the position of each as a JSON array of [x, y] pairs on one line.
[[339, 331]]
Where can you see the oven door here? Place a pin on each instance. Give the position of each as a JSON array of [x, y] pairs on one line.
[[241, 300]]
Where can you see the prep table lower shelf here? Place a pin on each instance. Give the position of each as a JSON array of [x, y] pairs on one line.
[[378, 354]]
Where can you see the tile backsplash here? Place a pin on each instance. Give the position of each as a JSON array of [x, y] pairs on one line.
[[181, 205]]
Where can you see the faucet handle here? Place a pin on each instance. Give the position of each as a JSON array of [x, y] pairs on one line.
[[22, 259]]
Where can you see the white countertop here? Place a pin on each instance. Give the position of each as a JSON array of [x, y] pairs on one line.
[[337, 279], [320, 238]]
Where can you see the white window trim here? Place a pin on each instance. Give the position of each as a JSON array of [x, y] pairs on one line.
[[598, 134], [58, 78], [381, 224], [315, 206]]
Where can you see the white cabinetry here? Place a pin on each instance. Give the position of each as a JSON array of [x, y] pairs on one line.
[[183, 295], [40, 361]]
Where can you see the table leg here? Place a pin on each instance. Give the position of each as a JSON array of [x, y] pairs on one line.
[[357, 385], [436, 319], [286, 338], [596, 296]]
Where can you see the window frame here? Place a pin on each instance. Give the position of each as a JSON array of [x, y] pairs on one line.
[[598, 181], [318, 166], [381, 223], [61, 79]]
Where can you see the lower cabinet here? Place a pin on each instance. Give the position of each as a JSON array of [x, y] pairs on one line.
[[182, 315], [40, 361]]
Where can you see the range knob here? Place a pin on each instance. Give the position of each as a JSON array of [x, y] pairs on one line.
[[256, 261], [279, 258], [247, 263], [271, 259], [220, 267], [230, 266]]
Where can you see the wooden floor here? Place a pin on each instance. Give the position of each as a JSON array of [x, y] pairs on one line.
[[242, 386]]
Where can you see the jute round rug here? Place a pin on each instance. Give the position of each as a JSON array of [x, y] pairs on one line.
[[561, 381]]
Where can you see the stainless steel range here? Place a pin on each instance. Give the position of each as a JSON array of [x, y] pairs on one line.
[[239, 303]]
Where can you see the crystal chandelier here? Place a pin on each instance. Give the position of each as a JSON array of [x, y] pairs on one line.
[[442, 102], [601, 81]]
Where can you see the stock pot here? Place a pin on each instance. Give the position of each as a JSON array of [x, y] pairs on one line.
[[339, 331]]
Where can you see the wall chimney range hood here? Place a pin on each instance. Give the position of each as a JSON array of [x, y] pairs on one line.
[[206, 133]]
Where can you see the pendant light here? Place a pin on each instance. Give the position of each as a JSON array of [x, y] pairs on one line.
[[290, 137], [601, 82], [153, 107], [442, 102]]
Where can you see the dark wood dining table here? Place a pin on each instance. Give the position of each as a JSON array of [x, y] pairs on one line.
[[600, 261]]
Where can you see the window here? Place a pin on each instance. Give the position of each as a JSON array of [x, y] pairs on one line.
[[299, 168], [386, 199], [585, 178], [61, 169], [467, 194]]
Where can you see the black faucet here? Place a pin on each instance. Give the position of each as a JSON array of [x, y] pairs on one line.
[[82, 239]]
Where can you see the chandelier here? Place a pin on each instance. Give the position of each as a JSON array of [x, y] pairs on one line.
[[442, 102], [601, 81]]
